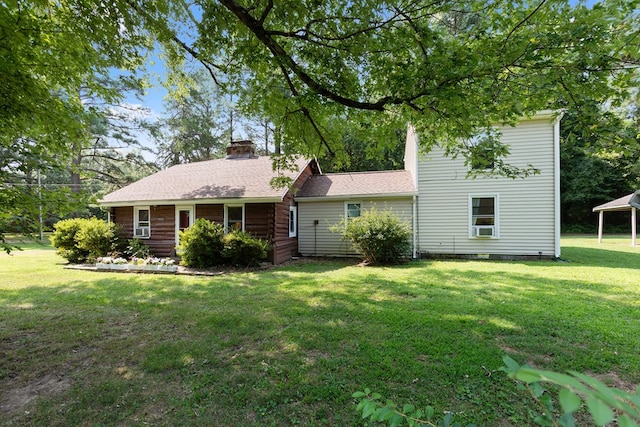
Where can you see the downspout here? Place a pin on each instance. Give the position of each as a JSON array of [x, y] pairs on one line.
[[415, 227], [556, 183]]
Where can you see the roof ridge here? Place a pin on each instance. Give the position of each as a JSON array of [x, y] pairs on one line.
[[363, 172]]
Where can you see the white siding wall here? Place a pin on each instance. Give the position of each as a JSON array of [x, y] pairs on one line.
[[317, 240], [526, 206]]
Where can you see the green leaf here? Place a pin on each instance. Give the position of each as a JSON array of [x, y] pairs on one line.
[[386, 413], [368, 409], [395, 420], [569, 401], [537, 389], [527, 375], [428, 412], [408, 409], [600, 412], [625, 421], [567, 420], [358, 395], [511, 366]]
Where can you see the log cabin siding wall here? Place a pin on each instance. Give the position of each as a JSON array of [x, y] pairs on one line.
[[124, 217], [163, 230], [285, 247], [258, 219], [213, 213], [162, 238]]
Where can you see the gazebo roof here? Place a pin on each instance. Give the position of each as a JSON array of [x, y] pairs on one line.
[[621, 204]]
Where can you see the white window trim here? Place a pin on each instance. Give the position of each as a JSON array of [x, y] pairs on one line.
[[226, 215], [293, 212], [346, 208], [496, 219], [474, 142], [192, 214], [136, 225]]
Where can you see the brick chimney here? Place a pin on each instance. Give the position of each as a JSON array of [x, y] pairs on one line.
[[241, 149]]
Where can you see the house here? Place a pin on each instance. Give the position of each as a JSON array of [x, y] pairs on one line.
[[491, 216], [449, 213], [234, 191]]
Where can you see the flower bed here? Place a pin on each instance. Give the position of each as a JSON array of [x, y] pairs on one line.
[[150, 264]]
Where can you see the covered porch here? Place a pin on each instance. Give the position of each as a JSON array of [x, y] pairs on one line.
[[630, 202]]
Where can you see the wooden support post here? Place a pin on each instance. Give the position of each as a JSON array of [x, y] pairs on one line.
[[600, 224], [633, 226]]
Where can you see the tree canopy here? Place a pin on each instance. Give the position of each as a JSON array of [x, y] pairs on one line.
[[313, 68]]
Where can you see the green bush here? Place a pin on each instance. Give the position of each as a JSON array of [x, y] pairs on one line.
[[380, 236], [136, 248], [201, 244], [80, 239], [97, 237], [240, 248], [64, 239]]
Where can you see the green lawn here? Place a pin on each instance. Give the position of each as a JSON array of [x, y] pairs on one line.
[[288, 346]]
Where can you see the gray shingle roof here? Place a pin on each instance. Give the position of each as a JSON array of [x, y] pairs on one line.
[[246, 178], [373, 184], [623, 203]]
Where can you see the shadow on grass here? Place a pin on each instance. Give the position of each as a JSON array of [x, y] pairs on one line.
[[273, 346]]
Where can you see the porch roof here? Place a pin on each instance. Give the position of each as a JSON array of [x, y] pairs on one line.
[[622, 204]]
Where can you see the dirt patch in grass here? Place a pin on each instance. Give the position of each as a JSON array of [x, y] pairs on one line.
[[15, 399], [612, 379]]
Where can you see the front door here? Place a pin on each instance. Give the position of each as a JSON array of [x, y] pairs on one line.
[[184, 220]]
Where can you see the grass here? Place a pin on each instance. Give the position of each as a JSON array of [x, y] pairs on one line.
[[288, 346]]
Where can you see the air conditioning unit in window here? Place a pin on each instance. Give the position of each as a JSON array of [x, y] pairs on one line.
[[483, 231], [141, 232]]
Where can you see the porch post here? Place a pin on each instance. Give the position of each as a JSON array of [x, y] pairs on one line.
[[600, 224], [633, 226]]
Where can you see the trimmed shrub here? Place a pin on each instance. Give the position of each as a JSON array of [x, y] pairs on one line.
[[380, 236], [64, 239], [241, 248], [97, 237], [80, 239], [201, 244]]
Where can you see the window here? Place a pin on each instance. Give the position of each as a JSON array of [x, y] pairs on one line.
[[352, 210], [482, 151], [234, 218], [142, 222], [293, 221], [483, 214]]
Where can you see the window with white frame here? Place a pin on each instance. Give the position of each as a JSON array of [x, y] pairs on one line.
[[483, 216], [293, 221], [352, 210], [142, 222], [482, 151], [234, 217]]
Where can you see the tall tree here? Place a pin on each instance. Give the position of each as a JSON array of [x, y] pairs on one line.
[[48, 53], [600, 160], [197, 124]]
